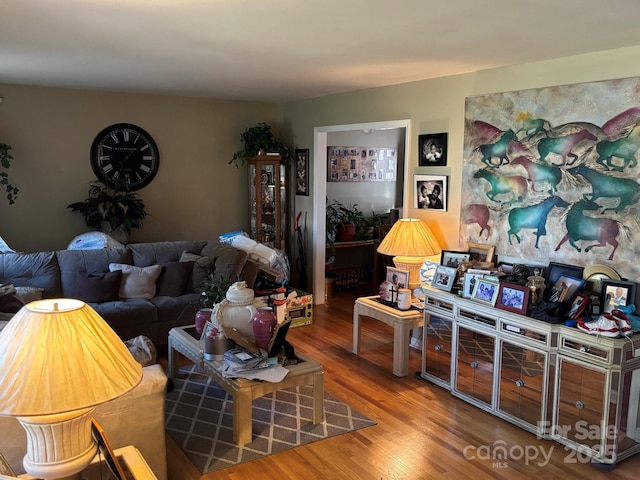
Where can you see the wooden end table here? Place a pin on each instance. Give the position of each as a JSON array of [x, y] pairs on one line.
[[243, 391], [402, 322]]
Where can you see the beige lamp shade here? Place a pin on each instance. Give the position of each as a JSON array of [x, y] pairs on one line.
[[58, 356]]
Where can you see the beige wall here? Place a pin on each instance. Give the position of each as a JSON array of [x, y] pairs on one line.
[[438, 106], [195, 195]]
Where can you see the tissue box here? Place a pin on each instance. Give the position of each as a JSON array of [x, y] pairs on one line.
[[299, 308]]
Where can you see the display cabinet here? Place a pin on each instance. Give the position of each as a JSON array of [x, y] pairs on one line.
[[557, 382], [268, 189]]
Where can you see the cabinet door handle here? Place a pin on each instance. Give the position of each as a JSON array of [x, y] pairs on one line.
[[520, 383], [474, 364], [437, 348], [579, 405]]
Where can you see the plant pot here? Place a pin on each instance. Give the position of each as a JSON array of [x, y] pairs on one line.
[[346, 233]]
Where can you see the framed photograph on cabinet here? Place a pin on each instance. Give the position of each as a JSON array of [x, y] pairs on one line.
[[616, 293], [430, 192], [432, 150], [479, 252], [565, 289], [555, 270], [469, 284], [513, 298], [578, 306], [444, 278], [486, 291], [450, 258], [302, 171]]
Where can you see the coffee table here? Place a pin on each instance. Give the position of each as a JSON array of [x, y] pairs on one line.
[[182, 340]]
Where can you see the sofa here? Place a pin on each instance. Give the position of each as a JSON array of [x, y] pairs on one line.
[[141, 289], [136, 418]]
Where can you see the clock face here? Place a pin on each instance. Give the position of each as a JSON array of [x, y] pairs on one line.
[[124, 156]]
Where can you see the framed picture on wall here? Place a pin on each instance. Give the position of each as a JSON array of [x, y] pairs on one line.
[[302, 171], [432, 150], [430, 192]]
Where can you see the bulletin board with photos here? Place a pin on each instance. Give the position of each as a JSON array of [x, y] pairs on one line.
[[362, 164]]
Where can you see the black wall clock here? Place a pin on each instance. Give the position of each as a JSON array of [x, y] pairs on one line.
[[124, 156]]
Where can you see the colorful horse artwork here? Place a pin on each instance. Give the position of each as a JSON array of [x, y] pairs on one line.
[[514, 186], [533, 216], [627, 191], [477, 213], [581, 227], [540, 173], [563, 146], [623, 148], [532, 126], [497, 150]]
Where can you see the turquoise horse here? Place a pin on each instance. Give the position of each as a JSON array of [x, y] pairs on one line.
[[581, 227], [497, 150], [563, 146], [624, 148], [533, 216], [540, 173], [627, 191], [515, 186]]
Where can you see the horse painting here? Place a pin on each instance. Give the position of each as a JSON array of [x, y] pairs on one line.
[[563, 146], [531, 126], [477, 213], [624, 148], [627, 191], [532, 216], [514, 186], [581, 227], [497, 150], [540, 173]]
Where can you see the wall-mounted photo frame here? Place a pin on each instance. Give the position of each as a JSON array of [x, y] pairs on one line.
[[451, 258], [361, 164], [399, 278], [469, 284], [513, 298], [444, 278], [616, 293], [480, 252], [302, 171], [430, 192], [486, 291], [432, 150]]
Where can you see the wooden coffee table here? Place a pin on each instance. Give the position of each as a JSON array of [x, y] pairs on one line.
[[243, 391]]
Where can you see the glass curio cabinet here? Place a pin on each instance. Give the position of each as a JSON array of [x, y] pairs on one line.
[[268, 214]]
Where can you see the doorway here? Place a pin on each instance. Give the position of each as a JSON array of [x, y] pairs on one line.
[[320, 144]]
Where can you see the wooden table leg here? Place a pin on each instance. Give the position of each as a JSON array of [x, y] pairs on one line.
[[356, 330], [173, 360], [318, 397], [401, 333], [242, 427]]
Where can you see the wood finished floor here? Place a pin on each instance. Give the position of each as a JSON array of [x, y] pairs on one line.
[[422, 431]]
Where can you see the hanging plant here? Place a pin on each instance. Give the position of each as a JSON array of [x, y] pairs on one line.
[[259, 140], [5, 163]]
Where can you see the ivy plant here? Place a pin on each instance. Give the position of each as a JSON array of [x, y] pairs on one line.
[[5, 163]]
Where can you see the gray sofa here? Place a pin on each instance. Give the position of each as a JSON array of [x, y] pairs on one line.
[[176, 270]]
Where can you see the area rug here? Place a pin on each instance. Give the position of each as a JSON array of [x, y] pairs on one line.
[[199, 418]]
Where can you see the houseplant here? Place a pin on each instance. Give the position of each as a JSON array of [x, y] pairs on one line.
[[259, 140], [111, 210], [5, 163], [344, 224]]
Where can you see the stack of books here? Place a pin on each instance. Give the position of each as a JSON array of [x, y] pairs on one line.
[[242, 363]]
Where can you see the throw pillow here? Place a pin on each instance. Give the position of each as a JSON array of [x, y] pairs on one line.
[[29, 294], [99, 287], [137, 282], [202, 266], [174, 278]]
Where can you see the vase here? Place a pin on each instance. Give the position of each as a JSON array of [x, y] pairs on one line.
[[237, 310], [264, 324], [202, 316]]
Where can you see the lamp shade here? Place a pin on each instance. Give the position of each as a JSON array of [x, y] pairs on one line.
[[409, 237], [58, 356]]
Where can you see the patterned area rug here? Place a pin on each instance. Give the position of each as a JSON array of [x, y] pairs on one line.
[[199, 418]]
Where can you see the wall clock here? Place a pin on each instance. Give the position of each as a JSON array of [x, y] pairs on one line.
[[124, 156]]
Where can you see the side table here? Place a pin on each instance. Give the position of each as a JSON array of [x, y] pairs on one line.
[[402, 322]]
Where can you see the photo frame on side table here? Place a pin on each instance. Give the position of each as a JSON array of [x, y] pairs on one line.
[[513, 298], [302, 171], [105, 449], [486, 291], [399, 278], [616, 293], [432, 150], [444, 278], [430, 192]]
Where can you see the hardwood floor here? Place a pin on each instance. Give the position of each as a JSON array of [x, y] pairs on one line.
[[422, 431]]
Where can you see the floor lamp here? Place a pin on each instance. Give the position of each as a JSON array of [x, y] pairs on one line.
[[58, 360], [410, 241]]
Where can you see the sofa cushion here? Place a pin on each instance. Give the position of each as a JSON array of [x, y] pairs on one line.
[[161, 253], [137, 282], [29, 294], [202, 266], [98, 287], [228, 260], [173, 279], [128, 316], [89, 261], [38, 270]]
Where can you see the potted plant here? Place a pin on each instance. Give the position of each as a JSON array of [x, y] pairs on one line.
[[111, 210], [5, 163], [259, 140], [344, 222]]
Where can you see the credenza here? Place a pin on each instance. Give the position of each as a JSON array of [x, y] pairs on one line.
[[557, 382]]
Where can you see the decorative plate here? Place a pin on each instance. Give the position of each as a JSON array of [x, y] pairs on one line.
[[593, 274]]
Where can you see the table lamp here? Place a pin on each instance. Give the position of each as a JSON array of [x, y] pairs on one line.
[[410, 241], [58, 360]]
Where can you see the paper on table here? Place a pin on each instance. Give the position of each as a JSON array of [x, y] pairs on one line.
[[273, 374]]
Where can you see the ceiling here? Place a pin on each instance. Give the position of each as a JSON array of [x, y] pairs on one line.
[[283, 50]]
